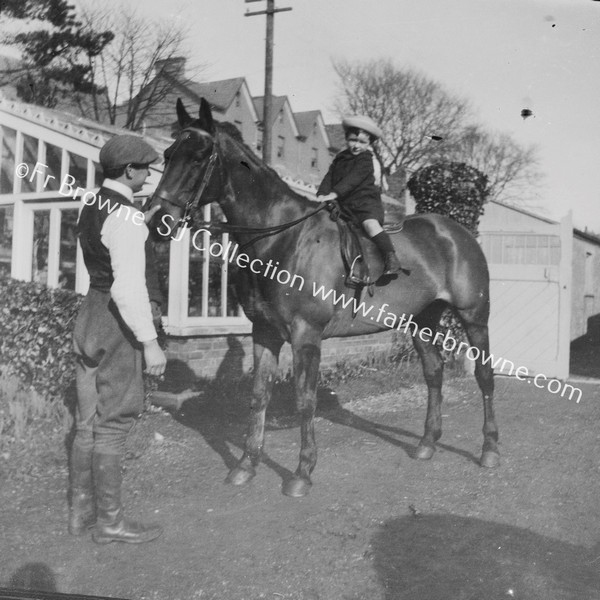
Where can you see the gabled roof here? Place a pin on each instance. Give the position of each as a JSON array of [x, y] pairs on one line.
[[279, 103], [220, 94], [305, 121]]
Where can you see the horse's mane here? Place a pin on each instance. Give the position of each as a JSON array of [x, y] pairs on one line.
[[251, 158]]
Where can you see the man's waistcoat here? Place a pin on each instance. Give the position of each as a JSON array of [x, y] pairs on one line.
[[95, 253]]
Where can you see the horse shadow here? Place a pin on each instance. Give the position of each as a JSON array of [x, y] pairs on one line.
[[446, 556], [219, 413]]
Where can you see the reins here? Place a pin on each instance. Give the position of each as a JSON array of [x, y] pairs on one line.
[[263, 231]]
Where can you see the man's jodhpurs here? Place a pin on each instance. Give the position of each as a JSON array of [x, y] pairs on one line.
[[110, 389]]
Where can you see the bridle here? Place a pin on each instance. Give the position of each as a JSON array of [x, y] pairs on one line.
[[194, 199], [186, 218]]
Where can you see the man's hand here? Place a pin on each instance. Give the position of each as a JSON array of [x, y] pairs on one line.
[[156, 361]]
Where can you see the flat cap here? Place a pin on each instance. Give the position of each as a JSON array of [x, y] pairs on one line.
[[362, 122], [122, 150]]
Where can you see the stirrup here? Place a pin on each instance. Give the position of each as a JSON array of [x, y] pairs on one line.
[[355, 281]]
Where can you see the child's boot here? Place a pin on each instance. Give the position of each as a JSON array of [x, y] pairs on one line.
[[392, 265]]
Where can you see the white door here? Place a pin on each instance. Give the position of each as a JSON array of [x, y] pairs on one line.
[[530, 289]]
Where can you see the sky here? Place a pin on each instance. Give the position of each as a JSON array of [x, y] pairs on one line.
[[500, 55]]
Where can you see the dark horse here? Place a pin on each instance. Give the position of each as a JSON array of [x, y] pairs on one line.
[[209, 162]]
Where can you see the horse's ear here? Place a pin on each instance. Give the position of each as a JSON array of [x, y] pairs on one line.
[[206, 118], [182, 115]]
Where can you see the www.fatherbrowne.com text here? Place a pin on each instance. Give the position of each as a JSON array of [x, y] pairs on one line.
[[271, 270]]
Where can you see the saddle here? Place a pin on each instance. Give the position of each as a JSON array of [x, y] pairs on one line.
[[357, 269]]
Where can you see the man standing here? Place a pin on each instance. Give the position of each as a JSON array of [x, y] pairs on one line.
[[113, 331]]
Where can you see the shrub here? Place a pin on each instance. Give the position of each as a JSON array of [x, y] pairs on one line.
[[459, 192], [452, 189], [36, 323]]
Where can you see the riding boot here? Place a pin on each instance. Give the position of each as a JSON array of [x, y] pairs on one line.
[[82, 514], [392, 265], [111, 525]]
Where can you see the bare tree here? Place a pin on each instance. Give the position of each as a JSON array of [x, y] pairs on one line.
[[126, 68], [423, 124], [512, 170]]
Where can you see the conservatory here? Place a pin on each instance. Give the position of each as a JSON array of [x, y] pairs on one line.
[[49, 160]]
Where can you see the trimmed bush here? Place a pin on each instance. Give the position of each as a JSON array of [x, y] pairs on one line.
[[452, 189]]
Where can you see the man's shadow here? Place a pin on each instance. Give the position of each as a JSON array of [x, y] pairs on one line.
[[439, 557]]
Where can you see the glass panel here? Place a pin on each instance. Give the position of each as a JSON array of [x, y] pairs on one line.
[[98, 175], [554, 250], [6, 230], [78, 169], [53, 162], [7, 161], [206, 252], [68, 248], [30, 155], [41, 227]]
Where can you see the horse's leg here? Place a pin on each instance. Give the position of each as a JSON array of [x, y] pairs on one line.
[[267, 344], [479, 339], [306, 350], [433, 371]]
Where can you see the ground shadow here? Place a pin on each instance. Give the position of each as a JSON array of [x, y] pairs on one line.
[[219, 413], [33, 576], [585, 357], [445, 557], [332, 410]]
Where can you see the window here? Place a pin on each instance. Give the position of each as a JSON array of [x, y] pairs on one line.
[[78, 170], [39, 258], [210, 294], [259, 139], [6, 234], [53, 162], [280, 146], [200, 267], [237, 100], [98, 175], [314, 158], [280, 116], [521, 249], [30, 157], [67, 260], [7, 167]]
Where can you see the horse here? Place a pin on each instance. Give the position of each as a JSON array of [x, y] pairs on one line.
[[294, 301]]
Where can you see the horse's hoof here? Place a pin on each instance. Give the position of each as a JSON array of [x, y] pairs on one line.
[[424, 452], [489, 459], [239, 476], [296, 487]]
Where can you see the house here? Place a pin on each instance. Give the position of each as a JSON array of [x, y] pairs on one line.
[[314, 154]]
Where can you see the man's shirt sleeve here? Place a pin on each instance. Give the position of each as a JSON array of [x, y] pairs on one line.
[[125, 241]]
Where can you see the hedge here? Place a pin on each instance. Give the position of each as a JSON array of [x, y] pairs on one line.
[[36, 323]]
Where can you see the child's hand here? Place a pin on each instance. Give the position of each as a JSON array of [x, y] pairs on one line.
[[327, 197]]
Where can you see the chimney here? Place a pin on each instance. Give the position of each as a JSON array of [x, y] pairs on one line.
[[174, 66]]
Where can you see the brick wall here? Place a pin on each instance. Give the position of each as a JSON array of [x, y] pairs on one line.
[[230, 356]]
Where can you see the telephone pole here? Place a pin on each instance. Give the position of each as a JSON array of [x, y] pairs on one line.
[[268, 97]]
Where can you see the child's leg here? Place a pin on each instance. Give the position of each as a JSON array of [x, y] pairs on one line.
[[384, 244]]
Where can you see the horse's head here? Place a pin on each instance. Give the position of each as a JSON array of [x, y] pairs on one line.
[[189, 177]]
